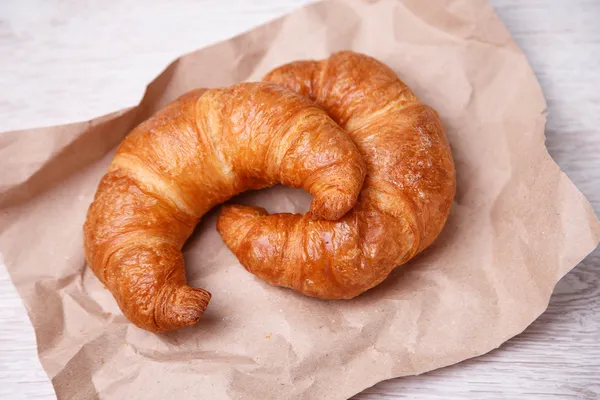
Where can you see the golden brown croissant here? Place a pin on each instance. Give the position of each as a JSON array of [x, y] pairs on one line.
[[404, 202], [197, 152]]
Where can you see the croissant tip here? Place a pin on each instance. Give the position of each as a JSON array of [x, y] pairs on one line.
[[335, 208], [194, 302], [187, 306]]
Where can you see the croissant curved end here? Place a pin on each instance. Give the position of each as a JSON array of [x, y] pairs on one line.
[[234, 222], [332, 205], [337, 188], [183, 306]]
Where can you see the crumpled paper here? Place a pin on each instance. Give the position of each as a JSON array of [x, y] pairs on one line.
[[517, 226]]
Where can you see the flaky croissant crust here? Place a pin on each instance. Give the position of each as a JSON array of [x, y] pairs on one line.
[[403, 205], [199, 151]]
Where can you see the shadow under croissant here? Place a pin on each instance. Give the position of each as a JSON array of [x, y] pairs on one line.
[[211, 318]]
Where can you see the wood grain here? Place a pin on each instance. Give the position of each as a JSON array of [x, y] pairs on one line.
[[60, 61]]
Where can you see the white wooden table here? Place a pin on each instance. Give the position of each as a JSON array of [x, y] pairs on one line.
[[72, 60]]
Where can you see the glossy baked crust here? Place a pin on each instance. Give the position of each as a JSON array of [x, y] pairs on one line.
[[197, 152], [403, 205]]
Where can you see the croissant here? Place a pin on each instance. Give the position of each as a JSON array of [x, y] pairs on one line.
[[197, 152], [403, 205]]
